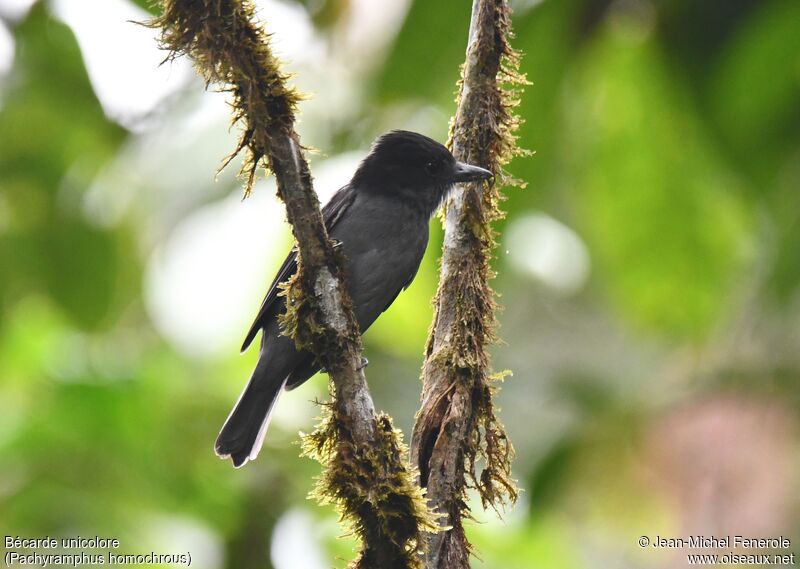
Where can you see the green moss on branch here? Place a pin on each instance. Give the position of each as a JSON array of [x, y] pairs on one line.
[[373, 490], [457, 425], [364, 472], [229, 48]]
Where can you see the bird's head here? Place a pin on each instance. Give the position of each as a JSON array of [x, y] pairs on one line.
[[414, 166]]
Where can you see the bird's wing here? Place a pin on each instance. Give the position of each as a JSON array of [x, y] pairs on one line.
[[399, 290], [331, 214]]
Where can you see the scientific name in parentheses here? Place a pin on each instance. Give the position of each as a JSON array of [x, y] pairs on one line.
[[722, 542]]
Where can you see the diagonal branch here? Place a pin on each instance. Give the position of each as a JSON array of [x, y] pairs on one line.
[[456, 424], [365, 475]]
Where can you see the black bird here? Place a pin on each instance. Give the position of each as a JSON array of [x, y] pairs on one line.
[[381, 219]]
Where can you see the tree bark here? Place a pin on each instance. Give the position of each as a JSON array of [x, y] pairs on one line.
[[456, 422]]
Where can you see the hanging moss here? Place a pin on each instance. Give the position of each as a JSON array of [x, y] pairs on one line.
[[373, 490], [458, 439], [229, 48], [301, 322], [490, 139]]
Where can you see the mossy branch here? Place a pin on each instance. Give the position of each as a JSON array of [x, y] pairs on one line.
[[457, 425], [230, 50], [364, 475]]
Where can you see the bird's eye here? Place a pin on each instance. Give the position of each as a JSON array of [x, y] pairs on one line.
[[433, 167]]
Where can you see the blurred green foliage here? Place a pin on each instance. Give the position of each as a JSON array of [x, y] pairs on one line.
[[667, 139]]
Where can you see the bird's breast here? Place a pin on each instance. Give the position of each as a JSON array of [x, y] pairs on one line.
[[383, 244]]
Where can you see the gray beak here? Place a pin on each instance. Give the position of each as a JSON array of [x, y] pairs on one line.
[[467, 173]]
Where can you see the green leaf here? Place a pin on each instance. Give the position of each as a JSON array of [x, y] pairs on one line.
[[79, 270], [424, 60], [756, 90], [61, 138], [663, 217]]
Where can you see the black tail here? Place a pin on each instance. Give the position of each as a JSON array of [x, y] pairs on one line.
[[243, 433]]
